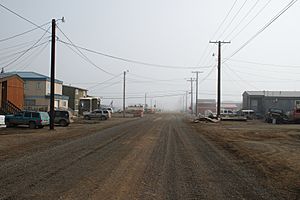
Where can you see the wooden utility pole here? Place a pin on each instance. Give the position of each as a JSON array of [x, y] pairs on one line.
[[197, 78], [192, 110], [124, 93], [219, 76], [52, 76]]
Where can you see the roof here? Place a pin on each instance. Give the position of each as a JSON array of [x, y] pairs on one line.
[[5, 76], [274, 93], [32, 76], [69, 86]]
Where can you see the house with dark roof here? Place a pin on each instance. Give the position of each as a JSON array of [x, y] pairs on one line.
[[262, 101], [37, 91], [74, 94], [11, 93]]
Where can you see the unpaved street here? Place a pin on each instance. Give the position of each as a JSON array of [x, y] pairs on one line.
[[155, 157]]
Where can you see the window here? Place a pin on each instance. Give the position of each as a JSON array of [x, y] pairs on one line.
[[64, 104], [38, 85], [36, 115], [76, 91], [27, 114]]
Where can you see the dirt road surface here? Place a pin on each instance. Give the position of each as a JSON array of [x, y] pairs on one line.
[[155, 157]]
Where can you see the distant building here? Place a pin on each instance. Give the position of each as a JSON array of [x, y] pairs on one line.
[[11, 93], [261, 101], [230, 105], [89, 104], [74, 94], [205, 105], [37, 92]]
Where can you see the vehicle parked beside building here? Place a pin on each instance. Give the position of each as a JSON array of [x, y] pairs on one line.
[[33, 119], [62, 117], [97, 114]]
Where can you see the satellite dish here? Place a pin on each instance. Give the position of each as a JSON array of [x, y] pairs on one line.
[[63, 19]]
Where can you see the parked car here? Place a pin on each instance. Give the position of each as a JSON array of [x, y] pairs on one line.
[[97, 114], [276, 114], [62, 117], [33, 119], [2, 121]]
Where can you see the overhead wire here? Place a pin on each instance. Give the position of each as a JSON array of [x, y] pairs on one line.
[[239, 23], [265, 64], [252, 19], [234, 17], [23, 33], [33, 57], [22, 54], [289, 5], [20, 16], [84, 56], [221, 24], [132, 61], [96, 85]]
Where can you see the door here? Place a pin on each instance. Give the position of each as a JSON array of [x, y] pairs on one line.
[[4, 92]]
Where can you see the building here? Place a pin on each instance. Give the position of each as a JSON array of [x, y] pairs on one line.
[[11, 93], [261, 101], [37, 92], [205, 105], [74, 94], [89, 104]]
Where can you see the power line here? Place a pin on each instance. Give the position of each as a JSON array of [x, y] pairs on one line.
[[245, 16], [265, 64], [19, 52], [132, 61], [265, 27], [234, 17], [26, 50], [26, 65], [29, 21], [104, 81], [221, 24], [84, 56], [23, 33], [252, 19]]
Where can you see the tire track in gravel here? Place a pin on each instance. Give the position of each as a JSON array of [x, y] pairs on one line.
[[58, 169], [185, 165]]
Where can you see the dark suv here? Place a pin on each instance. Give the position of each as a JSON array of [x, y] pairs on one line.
[[31, 118], [62, 117]]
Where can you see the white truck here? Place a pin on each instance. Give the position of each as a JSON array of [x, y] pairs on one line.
[[2, 121]]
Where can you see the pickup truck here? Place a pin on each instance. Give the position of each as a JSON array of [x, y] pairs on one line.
[[31, 118]]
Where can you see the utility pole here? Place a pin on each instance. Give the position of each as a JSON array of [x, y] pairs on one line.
[[124, 93], [219, 76], [192, 110], [52, 76], [197, 78], [186, 97], [145, 100]]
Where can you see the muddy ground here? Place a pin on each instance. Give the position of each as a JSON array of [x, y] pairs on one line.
[[272, 149], [157, 157], [18, 141]]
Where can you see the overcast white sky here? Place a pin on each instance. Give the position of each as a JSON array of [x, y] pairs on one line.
[[168, 32]]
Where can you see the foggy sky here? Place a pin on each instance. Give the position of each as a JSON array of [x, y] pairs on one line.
[[169, 32]]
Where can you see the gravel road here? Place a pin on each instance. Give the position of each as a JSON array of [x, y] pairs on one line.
[[155, 157]]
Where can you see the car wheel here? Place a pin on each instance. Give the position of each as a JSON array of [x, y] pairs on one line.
[[63, 123], [103, 118], [32, 125], [41, 126], [87, 117]]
